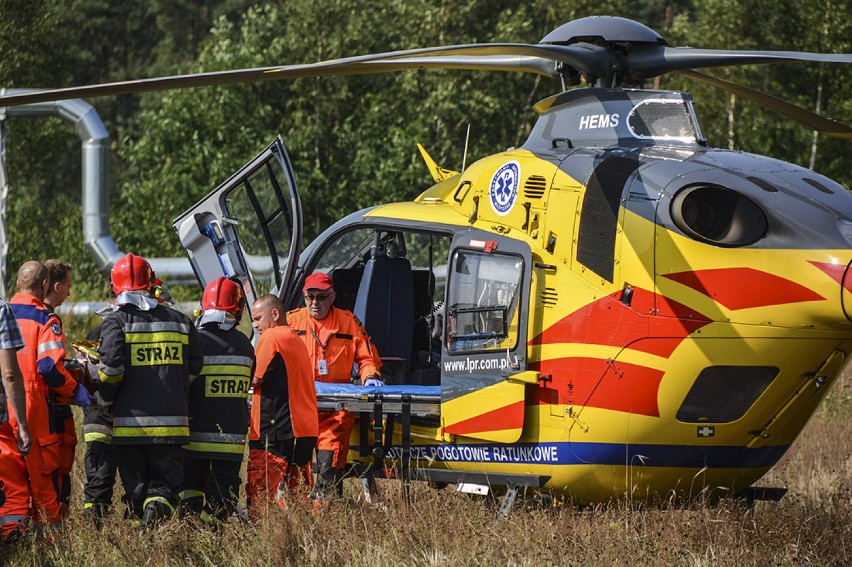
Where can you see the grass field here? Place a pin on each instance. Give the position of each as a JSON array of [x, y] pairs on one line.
[[811, 525]]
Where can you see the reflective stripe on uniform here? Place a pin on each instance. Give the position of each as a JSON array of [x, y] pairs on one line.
[[110, 378], [227, 359], [226, 370], [190, 493], [97, 428], [156, 332], [159, 499], [151, 426], [231, 443], [44, 347], [99, 437], [150, 432], [149, 421], [217, 437], [159, 337], [156, 327], [110, 374], [14, 519], [229, 448]]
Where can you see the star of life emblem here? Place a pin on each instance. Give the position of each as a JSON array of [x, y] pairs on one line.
[[504, 188]]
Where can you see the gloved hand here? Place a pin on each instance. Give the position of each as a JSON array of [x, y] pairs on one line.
[[82, 397], [374, 381]]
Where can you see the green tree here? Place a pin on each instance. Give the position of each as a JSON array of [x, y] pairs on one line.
[[730, 121], [353, 139], [53, 44]]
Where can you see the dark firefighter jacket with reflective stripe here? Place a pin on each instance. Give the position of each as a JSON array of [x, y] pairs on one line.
[[146, 360], [97, 420], [218, 398]]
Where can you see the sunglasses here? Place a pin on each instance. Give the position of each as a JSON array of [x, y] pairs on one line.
[[317, 296]]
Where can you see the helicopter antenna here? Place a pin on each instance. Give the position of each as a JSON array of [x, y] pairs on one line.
[[466, 140]]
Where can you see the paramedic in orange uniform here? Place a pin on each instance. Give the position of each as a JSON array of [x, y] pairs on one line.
[[284, 419], [41, 362], [61, 278], [336, 341], [15, 440]]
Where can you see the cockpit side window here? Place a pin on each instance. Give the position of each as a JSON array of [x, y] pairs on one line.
[[483, 298]]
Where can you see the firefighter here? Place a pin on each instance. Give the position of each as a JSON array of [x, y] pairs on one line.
[[218, 406], [148, 354], [41, 362], [100, 461], [60, 280], [283, 410], [335, 340]]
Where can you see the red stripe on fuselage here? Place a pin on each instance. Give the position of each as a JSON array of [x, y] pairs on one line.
[[651, 323], [835, 272], [507, 417], [745, 288], [604, 384]]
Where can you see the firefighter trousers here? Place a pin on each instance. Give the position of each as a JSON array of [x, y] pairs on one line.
[[211, 485], [101, 466], [150, 474]]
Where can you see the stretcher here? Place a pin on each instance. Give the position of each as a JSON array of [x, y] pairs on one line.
[[383, 404]]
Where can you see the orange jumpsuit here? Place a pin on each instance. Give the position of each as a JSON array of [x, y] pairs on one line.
[[62, 422], [341, 341], [44, 373]]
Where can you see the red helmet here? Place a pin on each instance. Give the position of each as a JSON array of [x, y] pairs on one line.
[[224, 294], [131, 273]]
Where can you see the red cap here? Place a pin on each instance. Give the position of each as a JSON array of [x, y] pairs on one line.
[[318, 280]]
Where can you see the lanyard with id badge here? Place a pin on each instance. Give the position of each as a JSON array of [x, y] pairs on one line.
[[322, 363]]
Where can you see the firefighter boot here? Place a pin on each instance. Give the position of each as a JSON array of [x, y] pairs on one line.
[[96, 512], [191, 504], [156, 510]]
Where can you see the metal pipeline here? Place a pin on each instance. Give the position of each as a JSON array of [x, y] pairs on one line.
[[96, 185]]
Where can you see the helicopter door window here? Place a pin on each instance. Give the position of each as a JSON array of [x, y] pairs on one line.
[[483, 301], [259, 214]]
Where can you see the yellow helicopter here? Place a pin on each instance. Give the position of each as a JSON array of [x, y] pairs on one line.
[[614, 308]]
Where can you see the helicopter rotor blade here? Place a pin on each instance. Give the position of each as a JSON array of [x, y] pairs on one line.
[[537, 65], [585, 57], [801, 115], [652, 60]]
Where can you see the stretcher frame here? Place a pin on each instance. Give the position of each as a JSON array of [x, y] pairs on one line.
[[383, 403]]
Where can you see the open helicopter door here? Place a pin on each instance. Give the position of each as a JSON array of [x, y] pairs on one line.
[[250, 227], [484, 356]]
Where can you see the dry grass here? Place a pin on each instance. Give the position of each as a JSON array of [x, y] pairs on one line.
[[812, 525]]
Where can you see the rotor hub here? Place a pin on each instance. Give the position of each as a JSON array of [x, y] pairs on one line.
[[603, 30]]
